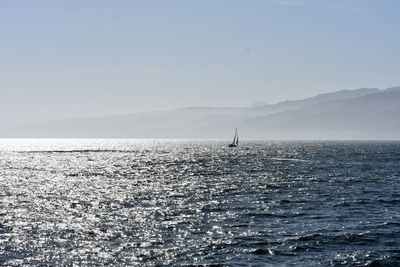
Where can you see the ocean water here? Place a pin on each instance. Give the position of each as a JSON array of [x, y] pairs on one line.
[[177, 202]]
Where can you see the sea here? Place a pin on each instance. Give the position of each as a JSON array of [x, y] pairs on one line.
[[94, 202]]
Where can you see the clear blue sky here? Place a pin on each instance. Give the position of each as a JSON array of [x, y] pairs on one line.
[[77, 58]]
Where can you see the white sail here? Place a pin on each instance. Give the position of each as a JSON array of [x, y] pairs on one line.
[[235, 141], [234, 138]]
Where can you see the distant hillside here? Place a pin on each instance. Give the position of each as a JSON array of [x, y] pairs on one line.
[[366, 117], [298, 104], [366, 113]]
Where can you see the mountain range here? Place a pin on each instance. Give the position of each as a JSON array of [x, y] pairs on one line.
[[365, 113]]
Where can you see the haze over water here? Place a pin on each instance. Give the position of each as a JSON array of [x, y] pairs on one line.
[[273, 69], [159, 202]]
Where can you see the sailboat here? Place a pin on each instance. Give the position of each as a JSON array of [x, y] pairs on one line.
[[235, 141]]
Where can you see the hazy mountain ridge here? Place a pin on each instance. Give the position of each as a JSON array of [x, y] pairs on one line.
[[366, 117], [366, 113], [297, 104]]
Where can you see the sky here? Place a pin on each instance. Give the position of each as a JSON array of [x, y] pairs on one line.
[[86, 58]]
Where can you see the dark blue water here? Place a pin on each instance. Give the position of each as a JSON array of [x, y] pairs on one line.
[[124, 203]]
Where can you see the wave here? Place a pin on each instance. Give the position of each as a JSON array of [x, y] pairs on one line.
[[290, 159], [76, 151]]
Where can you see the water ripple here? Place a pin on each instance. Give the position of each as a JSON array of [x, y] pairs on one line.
[[157, 202]]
